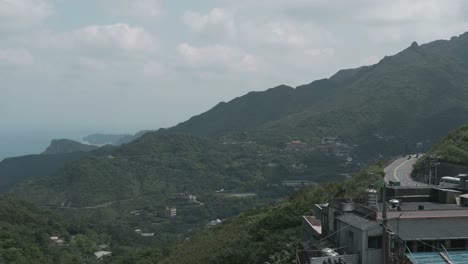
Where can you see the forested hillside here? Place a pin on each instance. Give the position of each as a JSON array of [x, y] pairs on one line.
[[13, 170], [157, 163], [26, 231], [417, 95], [259, 236], [452, 151]]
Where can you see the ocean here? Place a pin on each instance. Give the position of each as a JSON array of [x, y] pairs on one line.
[[20, 143]]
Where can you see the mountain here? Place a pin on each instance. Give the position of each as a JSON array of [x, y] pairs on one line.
[[111, 139], [60, 152], [417, 95], [107, 139], [17, 169], [155, 163], [62, 146], [13, 170]]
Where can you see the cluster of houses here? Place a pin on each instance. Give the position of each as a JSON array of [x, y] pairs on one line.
[[186, 197], [329, 146], [333, 146], [399, 225], [144, 234], [56, 240], [102, 252]]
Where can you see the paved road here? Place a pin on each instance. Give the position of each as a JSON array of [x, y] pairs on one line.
[[400, 170]]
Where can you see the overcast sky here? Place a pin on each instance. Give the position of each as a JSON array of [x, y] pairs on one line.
[[126, 65]]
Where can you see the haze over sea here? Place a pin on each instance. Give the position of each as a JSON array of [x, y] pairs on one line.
[[25, 142]]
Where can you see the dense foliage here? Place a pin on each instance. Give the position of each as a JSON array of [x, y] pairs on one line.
[[453, 149], [13, 170], [164, 163], [25, 236], [263, 235]]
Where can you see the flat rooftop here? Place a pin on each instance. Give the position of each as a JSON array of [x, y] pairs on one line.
[[431, 210]]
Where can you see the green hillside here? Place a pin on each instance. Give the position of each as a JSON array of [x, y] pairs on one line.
[[25, 233], [417, 95], [451, 153], [259, 236], [17, 169], [13, 170], [157, 163], [453, 148]]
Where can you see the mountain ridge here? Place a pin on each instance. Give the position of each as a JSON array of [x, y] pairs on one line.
[[62, 146]]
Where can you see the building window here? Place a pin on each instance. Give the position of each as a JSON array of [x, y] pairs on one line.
[[374, 242]]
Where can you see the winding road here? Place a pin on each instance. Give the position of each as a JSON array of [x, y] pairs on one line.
[[400, 171]]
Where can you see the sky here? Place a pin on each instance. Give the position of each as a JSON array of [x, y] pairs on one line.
[[120, 66]]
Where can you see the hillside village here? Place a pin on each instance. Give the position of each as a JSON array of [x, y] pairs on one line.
[[410, 223], [269, 132]]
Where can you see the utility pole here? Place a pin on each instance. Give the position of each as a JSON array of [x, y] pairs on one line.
[[430, 172], [435, 167], [433, 163], [385, 237]]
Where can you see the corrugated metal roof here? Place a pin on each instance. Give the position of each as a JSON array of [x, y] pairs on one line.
[[430, 229]]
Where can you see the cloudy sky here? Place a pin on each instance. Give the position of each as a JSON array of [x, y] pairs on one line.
[[126, 65]]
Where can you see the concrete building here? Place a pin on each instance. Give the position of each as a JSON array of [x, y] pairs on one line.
[[170, 212], [421, 223]]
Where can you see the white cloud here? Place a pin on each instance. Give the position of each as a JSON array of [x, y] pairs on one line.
[[288, 33], [404, 11], [154, 69], [17, 57], [229, 57], [141, 9], [217, 19], [119, 36], [16, 14], [320, 52], [94, 64], [371, 60]]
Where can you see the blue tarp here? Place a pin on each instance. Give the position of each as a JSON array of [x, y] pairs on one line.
[[458, 257], [426, 258]]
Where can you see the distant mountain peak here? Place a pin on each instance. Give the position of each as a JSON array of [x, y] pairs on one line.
[[414, 45], [61, 146]]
